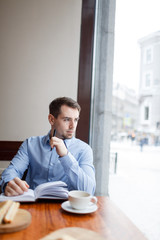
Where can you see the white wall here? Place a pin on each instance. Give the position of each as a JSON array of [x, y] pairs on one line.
[[39, 57]]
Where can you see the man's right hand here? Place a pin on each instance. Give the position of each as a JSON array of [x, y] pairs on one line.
[[16, 187]]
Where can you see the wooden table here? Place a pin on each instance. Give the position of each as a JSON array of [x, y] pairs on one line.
[[48, 216]]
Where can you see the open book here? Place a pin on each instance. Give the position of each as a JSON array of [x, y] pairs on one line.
[[49, 190]]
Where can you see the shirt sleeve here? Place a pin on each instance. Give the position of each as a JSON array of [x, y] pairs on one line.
[[17, 166], [80, 171]]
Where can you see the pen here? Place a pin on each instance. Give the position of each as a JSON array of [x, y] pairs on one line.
[[65, 143], [53, 133]]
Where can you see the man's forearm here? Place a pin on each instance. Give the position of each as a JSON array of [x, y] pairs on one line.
[[80, 177]]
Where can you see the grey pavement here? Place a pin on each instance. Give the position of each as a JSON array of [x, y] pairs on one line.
[[135, 188]]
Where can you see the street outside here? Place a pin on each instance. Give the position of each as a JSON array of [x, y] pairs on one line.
[[135, 188]]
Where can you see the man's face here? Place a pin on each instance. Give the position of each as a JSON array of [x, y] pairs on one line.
[[66, 122]]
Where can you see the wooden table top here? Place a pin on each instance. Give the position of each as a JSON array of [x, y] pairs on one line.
[[48, 216]]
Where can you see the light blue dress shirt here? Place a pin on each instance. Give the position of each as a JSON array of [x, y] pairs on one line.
[[44, 165]]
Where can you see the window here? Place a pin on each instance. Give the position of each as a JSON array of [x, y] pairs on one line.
[[146, 113], [158, 125], [148, 57], [147, 79]]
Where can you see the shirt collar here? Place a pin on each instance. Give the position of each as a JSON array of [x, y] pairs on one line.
[[67, 141]]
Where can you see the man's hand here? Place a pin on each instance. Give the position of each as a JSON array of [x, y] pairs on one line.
[[16, 187], [59, 145]]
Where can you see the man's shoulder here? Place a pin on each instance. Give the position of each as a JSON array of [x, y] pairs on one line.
[[36, 139], [81, 143]]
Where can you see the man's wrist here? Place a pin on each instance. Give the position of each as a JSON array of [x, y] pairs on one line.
[[64, 155]]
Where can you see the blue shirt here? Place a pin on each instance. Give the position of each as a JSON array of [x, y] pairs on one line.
[[44, 165]]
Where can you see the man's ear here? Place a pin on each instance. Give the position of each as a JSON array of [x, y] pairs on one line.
[[51, 119]]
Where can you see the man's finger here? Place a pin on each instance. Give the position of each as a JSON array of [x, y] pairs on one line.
[[13, 189], [21, 184], [26, 184], [53, 141], [10, 192]]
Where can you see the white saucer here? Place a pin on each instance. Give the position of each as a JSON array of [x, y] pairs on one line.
[[90, 209]]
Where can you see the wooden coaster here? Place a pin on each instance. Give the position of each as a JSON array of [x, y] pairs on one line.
[[21, 221], [75, 233]]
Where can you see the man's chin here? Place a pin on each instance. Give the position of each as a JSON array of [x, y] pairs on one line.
[[69, 135]]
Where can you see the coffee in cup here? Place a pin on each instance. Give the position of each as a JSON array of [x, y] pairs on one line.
[[80, 199]]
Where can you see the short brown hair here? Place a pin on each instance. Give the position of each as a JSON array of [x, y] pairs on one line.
[[55, 105]]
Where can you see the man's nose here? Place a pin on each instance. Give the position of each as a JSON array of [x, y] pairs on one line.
[[71, 125]]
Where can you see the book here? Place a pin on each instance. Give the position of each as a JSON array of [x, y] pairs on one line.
[[49, 190]]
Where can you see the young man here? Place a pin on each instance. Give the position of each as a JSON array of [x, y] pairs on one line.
[[58, 156]]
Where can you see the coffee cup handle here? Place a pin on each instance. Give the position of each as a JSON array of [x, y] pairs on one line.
[[94, 200]]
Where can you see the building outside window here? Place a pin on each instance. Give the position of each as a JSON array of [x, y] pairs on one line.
[[149, 91]]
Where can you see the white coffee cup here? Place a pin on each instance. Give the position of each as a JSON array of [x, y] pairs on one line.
[[80, 199]]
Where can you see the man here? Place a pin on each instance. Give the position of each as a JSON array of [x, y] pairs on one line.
[[58, 156]]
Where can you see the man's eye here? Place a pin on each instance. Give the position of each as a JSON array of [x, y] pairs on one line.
[[66, 119], [76, 120]]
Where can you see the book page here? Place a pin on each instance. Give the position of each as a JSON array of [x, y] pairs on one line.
[[25, 197], [53, 190]]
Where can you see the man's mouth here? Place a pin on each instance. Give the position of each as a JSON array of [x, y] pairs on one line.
[[70, 132]]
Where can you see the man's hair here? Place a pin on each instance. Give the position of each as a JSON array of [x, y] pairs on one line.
[[55, 105]]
